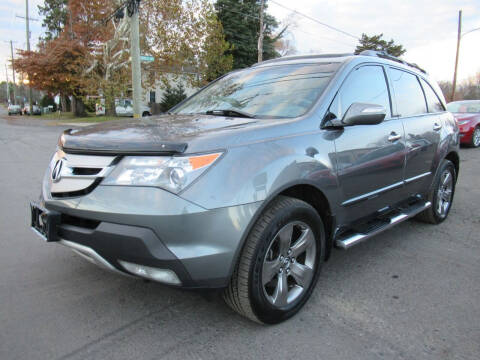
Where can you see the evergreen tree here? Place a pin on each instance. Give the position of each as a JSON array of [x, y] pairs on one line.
[[55, 16], [241, 22], [376, 42], [172, 96]]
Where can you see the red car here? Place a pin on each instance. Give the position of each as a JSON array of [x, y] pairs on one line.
[[467, 114]]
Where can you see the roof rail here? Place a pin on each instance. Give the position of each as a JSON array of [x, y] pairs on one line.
[[299, 57], [385, 55]]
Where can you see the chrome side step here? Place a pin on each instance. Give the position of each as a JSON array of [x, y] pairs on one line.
[[349, 240]]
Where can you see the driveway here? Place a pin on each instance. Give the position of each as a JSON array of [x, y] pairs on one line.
[[410, 293]]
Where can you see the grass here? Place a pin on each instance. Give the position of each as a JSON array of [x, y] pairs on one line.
[[62, 117]]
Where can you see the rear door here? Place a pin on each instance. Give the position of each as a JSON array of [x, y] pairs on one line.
[[422, 125], [370, 158]]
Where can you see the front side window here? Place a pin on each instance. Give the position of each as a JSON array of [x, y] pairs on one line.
[[363, 85], [288, 91], [408, 93], [433, 103]]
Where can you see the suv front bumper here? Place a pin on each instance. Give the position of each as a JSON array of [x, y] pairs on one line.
[[117, 226]]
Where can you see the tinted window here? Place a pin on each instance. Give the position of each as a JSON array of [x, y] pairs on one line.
[[364, 85], [408, 93], [433, 103]]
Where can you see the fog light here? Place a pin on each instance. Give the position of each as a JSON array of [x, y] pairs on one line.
[[161, 275]]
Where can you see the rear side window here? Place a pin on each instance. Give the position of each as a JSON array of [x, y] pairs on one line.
[[408, 93], [433, 103], [364, 85]]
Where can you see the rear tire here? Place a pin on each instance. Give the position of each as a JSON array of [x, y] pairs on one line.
[[279, 264], [441, 194]]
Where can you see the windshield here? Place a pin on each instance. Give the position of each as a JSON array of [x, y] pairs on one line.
[[264, 92], [464, 107]]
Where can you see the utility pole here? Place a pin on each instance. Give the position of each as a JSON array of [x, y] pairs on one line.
[[132, 9], [260, 33], [13, 73], [28, 49], [8, 88], [459, 37]]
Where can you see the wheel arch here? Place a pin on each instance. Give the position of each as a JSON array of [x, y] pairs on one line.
[[304, 191], [455, 159]]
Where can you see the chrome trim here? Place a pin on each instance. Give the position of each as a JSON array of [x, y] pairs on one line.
[[386, 188], [101, 174], [372, 193], [354, 239], [92, 256], [414, 178]]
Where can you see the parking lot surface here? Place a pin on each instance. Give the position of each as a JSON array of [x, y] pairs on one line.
[[410, 293]]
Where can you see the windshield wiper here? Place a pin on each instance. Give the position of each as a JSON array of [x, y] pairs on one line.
[[230, 112]]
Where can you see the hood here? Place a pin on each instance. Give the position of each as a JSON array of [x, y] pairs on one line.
[[153, 135]]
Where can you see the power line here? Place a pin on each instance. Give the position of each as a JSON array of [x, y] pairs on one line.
[[315, 20]]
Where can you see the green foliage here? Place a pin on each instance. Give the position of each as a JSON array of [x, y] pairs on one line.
[[90, 104], [376, 42], [241, 23], [47, 100], [55, 17], [172, 96]]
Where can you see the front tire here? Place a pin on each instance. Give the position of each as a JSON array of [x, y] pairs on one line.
[[279, 264], [441, 194]]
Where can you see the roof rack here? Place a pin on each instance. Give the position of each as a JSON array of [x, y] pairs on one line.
[[385, 55], [299, 57]]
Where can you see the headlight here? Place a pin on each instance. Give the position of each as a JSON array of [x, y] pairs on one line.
[[463, 122], [172, 173]]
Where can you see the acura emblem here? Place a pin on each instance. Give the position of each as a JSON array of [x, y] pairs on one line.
[[57, 171]]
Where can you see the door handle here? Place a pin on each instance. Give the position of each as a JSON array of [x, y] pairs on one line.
[[437, 126], [394, 136]]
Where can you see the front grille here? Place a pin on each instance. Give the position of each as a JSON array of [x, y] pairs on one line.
[[71, 175]]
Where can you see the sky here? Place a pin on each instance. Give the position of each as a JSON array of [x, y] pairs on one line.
[[426, 28]]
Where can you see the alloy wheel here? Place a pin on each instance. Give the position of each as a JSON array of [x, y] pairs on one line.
[[288, 266], [444, 193]]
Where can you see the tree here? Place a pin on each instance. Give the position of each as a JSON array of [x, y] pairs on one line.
[[47, 100], [184, 37], [172, 96], [376, 42], [55, 16], [468, 89], [66, 63], [240, 20]]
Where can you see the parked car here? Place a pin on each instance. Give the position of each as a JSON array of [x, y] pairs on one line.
[[36, 110], [247, 185], [14, 109], [467, 113], [123, 107]]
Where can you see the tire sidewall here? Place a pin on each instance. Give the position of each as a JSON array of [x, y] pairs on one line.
[[260, 305], [477, 128], [446, 164]]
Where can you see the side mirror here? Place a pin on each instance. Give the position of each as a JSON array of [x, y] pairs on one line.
[[364, 114]]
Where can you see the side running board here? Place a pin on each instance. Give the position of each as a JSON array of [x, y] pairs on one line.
[[351, 239]]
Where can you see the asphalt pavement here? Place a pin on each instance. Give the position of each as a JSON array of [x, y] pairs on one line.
[[410, 293]]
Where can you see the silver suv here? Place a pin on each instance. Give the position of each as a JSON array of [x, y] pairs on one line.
[[248, 184]]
